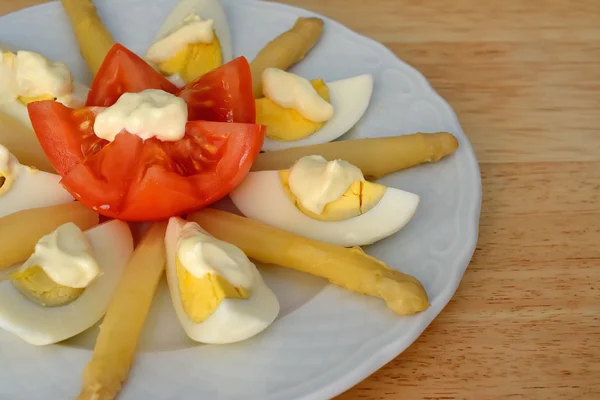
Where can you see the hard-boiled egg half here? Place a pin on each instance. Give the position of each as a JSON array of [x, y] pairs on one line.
[[299, 112], [217, 292], [193, 40], [66, 285], [22, 187], [326, 201], [26, 76]]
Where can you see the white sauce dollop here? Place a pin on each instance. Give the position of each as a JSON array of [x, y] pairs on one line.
[[29, 75], [295, 92], [316, 182], [147, 114], [38, 76], [65, 255], [8, 83], [193, 29], [200, 253]]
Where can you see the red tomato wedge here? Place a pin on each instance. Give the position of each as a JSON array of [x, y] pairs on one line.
[[66, 135], [135, 180], [102, 181], [124, 72], [223, 94]]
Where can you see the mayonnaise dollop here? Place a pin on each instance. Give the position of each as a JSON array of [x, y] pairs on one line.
[[29, 75], [8, 83], [38, 76], [295, 92], [200, 253], [147, 114], [193, 29], [316, 182], [65, 255]]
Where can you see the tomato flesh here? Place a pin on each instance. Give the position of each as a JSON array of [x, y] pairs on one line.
[[223, 94], [102, 181], [124, 72], [50, 118], [136, 180], [203, 167]]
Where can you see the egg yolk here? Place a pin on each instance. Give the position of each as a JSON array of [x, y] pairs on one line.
[[286, 124], [360, 197], [27, 100], [37, 286], [200, 297], [194, 60]]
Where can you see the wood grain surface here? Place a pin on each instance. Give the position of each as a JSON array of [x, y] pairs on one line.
[[524, 79]]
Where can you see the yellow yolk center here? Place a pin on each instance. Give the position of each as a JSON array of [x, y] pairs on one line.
[[286, 124], [200, 297], [37, 286], [27, 100], [360, 197], [194, 60]]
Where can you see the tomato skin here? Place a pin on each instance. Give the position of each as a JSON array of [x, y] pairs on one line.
[[135, 180], [223, 94], [154, 193], [76, 127], [101, 181], [124, 72]]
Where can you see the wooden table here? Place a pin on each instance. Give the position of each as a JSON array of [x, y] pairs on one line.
[[524, 79]]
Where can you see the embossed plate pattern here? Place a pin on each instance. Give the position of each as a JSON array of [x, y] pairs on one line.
[[326, 339]]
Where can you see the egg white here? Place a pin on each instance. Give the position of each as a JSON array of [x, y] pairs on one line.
[[350, 99], [14, 108], [234, 320], [18, 111], [32, 189], [262, 197], [112, 246], [205, 9]]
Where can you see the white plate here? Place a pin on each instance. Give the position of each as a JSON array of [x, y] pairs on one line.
[[326, 339]]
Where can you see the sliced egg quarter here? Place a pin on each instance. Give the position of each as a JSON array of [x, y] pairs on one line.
[[218, 294], [67, 314], [349, 98], [359, 198], [354, 220], [35, 284], [287, 124], [60, 268], [14, 103], [193, 59], [22, 187], [201, 296]]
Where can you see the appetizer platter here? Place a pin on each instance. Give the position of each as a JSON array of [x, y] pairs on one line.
[[218, 199]]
